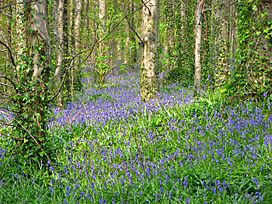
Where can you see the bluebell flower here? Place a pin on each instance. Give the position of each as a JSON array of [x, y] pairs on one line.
[[68, 190]]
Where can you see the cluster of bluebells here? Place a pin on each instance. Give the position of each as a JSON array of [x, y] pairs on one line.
[[120, 100], [124, 170], [224, 155]]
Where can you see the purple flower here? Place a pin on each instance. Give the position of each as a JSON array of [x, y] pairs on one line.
[[51, 168], [185, 182], [68, 190]]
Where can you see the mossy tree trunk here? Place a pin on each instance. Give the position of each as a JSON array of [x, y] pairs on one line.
[[32, 93]]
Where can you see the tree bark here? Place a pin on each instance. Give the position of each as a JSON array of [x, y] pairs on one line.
[[102, 23], [75, 74], [149, 85], [60, 41], [198, 31], [60, 50], [19, 39], [40, 26], [131, 56]]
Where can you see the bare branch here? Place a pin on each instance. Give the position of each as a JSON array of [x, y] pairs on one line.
[[137, 35], [149, 12], [10, 53], [8, 79]]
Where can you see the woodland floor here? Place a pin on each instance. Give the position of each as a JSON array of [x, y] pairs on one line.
[[113, 148]]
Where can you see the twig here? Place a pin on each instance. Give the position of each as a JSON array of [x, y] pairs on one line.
[[149, 12], [8, 79], [137, 35], [10, 53]]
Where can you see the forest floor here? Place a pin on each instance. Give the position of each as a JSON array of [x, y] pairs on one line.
[[113, 148]]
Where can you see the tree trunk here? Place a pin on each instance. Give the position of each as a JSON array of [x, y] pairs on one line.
[[40, 25], [198, 31], [59, 71], [41, 61], [149, 86], [102, 23], [19, 38], [131, 40], [76, 71], [71, 43], [102, 60], [170, 33], [31, 100]]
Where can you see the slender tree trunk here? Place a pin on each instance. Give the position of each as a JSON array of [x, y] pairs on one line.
[[102, 61], [198, 31], [87, 23], [8, 65], [223, 64], [102, 23], [112, 44], [59, 71], [10, 26], [77, 23], [170, 33], [65, 95], [40, 25], [149, 85], [71, 43], [60, 41], [75, 75], [131, 56]]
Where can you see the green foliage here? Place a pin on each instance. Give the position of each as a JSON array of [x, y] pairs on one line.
[[102, 69], [251, 76], [179, 75], [32, 141], [211, 101], [177, 34]]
